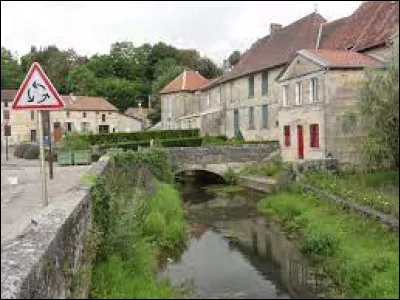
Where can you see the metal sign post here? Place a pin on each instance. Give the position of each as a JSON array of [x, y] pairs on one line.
[[7, 133], [42, 159], [38, 93]]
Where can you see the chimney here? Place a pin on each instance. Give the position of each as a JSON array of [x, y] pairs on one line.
[[274, 27], [72, 97]]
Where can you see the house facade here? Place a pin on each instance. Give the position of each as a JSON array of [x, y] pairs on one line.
[[180, 101], [81, 114]]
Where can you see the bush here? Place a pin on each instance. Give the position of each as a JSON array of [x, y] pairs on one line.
[[230, 176], [214, 140], [20, 149], [182, 142], [119, 137], [319, 242], [73, 141], [32, 152]]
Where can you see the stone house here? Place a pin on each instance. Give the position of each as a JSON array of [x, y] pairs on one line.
[[139, 113], [180, 101], [80, 114], [319, 87]]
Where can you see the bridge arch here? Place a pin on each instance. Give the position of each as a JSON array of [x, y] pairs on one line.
[[206, 174]]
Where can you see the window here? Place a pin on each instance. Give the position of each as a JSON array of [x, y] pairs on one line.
[[251, 117], [6, 114], [251, 86], [286, 132], [68, 114], [314, 136], [264, 116], [103, 117], [313, 90], [33, 135], [285, 95], [5, 103], [84, 114], [104, 129], [85, 126], [298, 93], [69, 126], [32, 115], [264, 83]]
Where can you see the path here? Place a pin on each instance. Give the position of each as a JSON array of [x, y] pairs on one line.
[[20, 201]]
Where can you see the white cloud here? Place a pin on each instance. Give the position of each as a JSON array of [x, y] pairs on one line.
[[214, 28]]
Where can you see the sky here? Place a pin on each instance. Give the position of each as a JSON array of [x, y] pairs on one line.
[[216, 29]]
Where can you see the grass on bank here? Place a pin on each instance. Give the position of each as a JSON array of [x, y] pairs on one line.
[[146, 225], [378, 189], [360, 255], [271, 168]]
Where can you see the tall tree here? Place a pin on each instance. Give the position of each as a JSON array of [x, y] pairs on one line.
[[379, 105], [234, 58], [11, 72], [208, 68]]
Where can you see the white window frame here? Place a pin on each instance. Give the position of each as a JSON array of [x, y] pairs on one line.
[[298, 91], [285, 95], [313, 90]]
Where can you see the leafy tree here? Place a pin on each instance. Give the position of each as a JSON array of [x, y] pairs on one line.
[[234, 57], [11, 72], [379, 106], [83, 81], [56, 63], [207, 68]]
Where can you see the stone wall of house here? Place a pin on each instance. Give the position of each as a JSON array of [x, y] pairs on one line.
[[211, 123], [128, 124], [92, 118], [50, 258], [305, 114], [235, 96], [22, 122], [344, 128], [176, 105]]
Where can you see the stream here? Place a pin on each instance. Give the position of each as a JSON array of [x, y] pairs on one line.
[[234, 252]]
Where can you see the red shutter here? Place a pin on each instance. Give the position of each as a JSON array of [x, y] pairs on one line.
[[286, 130], [314, 135]]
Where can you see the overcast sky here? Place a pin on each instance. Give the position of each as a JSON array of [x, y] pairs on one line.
[[213, 28]]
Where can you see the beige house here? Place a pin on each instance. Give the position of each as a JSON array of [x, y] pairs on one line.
[[139, 113], [318, 109], [81, 114], [180, 101]]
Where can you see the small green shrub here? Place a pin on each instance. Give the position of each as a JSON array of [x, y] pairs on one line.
[[318, 242], [230, 177]]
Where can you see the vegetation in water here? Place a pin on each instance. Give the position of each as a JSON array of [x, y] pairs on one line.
[[230, 177], [379, 190], [360, 255], [136, 217]]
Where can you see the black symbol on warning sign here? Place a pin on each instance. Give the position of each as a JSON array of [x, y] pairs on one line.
[[37, 93]]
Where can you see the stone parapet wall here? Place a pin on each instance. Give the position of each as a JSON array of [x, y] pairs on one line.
[[47, 259]]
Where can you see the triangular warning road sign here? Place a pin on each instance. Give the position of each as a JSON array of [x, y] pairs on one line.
[[37, 92]]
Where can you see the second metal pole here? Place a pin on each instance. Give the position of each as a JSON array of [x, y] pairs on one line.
[[42, 159]]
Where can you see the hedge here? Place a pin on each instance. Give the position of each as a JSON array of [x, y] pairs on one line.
[[119, 137], [182, 142]]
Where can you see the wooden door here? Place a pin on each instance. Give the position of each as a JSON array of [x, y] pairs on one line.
[[57, 132], [300, 142]]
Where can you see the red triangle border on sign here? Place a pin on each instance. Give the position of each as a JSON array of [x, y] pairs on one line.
[[37, 67]]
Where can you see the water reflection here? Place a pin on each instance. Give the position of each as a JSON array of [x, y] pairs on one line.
[[234, 253]]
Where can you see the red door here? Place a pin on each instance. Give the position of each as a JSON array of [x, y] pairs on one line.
[[300, 142]]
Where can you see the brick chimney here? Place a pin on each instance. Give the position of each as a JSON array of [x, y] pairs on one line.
[[274, 27]]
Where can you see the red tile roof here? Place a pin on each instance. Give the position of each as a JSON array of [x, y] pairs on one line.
[[8, 95], [341, 59], [88, 103], [211, 83], [276, 49], [370, 25], [187, 81]]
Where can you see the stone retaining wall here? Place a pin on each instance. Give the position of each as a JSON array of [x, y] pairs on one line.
[[221, 154], [47, 259]]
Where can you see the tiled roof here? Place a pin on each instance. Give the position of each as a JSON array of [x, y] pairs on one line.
[[370, 25], [88, 103], [211, 83], [340, 59], [328, 29], [8, 95], [276, 49], [187, 81]]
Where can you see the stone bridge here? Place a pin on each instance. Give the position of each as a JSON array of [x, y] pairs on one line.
[[217, 159]]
